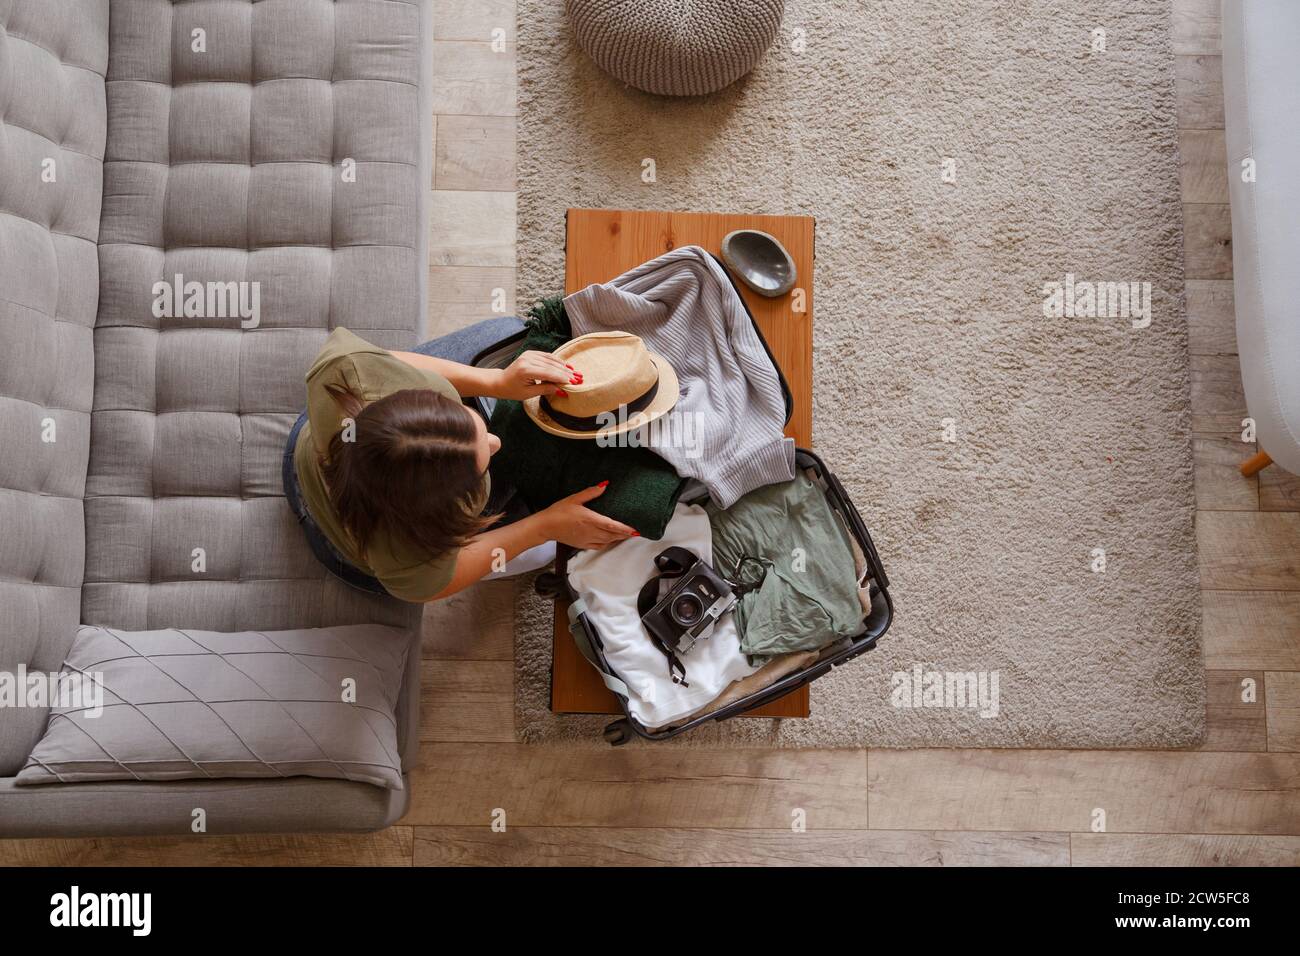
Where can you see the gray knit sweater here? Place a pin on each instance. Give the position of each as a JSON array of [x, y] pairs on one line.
[[726, 427]]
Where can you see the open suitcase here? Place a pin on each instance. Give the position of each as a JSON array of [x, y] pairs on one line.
[[586, 632]]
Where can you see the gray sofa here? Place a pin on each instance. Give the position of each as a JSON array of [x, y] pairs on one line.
[[134, 149]]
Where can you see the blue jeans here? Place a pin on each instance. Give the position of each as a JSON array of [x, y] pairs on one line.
[[463, 346]]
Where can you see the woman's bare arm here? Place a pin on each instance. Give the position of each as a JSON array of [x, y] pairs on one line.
[[466, 379], [475, 560], [532, 373], [568, 520]]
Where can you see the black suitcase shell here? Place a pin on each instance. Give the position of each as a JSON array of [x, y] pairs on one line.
[[586, 632]]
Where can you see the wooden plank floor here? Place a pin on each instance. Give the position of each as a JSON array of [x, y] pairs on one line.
[[1236, 800]]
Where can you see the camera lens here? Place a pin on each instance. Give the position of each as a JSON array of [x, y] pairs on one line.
[[686, 609]]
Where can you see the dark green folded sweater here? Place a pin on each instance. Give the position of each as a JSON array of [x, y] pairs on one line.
[[643, 488]]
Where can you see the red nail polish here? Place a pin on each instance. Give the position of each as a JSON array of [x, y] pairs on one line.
[[602, 484], [560, 391], [567, 365], [636, 534]]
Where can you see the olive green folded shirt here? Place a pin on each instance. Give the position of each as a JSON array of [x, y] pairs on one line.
[[404, 568]]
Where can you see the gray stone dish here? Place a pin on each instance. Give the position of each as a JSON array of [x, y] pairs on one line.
[[760, 261]]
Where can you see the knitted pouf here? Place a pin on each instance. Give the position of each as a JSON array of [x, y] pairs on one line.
[[676, 47]]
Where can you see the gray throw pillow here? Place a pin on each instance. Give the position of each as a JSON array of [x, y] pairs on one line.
[[179, 704]]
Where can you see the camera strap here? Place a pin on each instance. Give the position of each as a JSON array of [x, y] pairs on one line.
[[741, 587]]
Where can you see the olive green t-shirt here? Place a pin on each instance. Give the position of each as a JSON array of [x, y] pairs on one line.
[[404, 569]]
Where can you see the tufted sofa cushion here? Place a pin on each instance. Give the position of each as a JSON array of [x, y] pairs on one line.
[[273, 143], [53, 55]]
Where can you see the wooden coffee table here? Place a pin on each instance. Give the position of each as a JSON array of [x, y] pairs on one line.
[[602, 244]]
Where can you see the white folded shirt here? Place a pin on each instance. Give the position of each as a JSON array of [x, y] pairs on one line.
[[609, 581]]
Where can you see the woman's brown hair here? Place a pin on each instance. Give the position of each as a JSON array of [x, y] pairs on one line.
[[411, 467]]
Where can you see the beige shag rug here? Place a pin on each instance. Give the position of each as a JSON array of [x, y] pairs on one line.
[[959, 157]]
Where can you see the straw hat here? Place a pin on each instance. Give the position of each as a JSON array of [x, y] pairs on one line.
[[617, 370]]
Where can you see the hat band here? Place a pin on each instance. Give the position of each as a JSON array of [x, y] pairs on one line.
[[592, 423]]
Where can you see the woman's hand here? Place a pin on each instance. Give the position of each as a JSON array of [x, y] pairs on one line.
[[534, 373], [571, 522]]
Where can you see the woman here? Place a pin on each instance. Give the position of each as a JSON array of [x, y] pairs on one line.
[[387, 469]]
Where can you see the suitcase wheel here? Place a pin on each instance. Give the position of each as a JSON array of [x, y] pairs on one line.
[[618, 733], [548, 585]]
